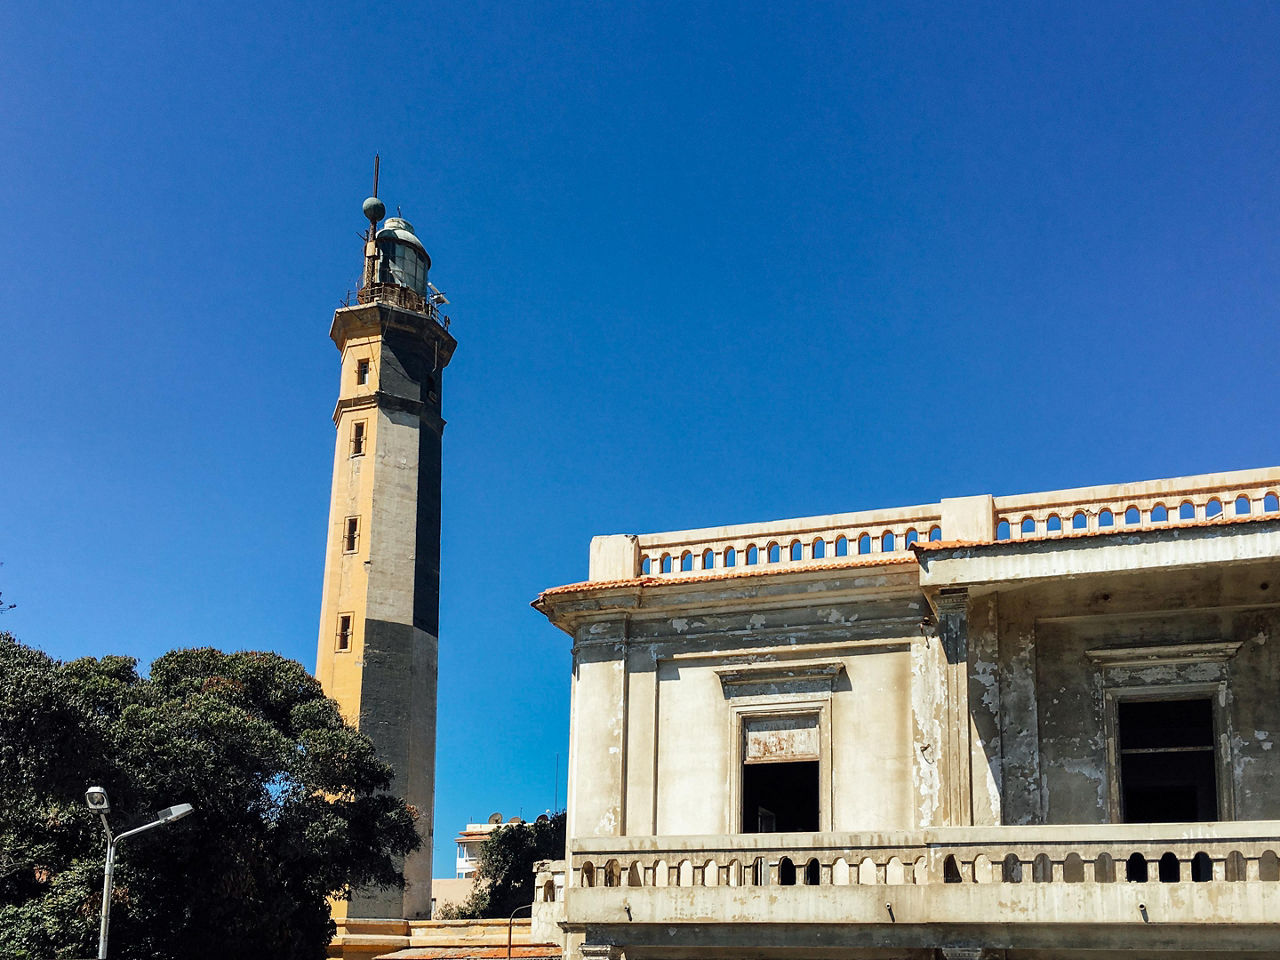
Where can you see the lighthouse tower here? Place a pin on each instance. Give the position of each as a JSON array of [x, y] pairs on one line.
[[379, 619]]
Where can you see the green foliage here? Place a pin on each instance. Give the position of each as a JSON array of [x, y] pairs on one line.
[[504, 870], [287, 797]]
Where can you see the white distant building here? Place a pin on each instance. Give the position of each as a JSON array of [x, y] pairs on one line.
[[471, 839]]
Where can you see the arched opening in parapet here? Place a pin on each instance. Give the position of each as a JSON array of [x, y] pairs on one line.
[[1159, 513], [753, 555], [588, 875], [1201, 868], [730, 557], [1002, 530], [1235, 866], [842, 546], [1132, 516], [1041, 869], [775, 553], [840, 872], [1170, 870], [1104, 869], [1073, 869], [1186, 510], [1079, 521], [711, 874], [819, 550], [634, 877], [661, 874], [1135, 868], [686, 561], [1213, 508], [1028, 526], [951, 870], [812, 873], [912, 537], [786, 873], [864, 543], [613, 874], [1011, 869], [1053, 524], [1106, 518], [1269, 866], [935, 532], [797, 551], [708, 560], [867, 871]]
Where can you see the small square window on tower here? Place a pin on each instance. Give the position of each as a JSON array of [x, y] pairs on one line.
[[350, 535], [344, 630], [357, 438], [362, 372]]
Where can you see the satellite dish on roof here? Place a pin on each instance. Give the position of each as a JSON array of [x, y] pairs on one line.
[[542, 818], [515, 820], [495, 818]]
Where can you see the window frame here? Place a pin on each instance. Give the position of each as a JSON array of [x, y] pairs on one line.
[[817, 706], [364, 366], [351, 535], [1214, 691], [338, 646], [361, 426], [788, 688]]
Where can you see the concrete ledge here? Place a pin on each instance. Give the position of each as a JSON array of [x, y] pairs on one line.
[[1226, 916]]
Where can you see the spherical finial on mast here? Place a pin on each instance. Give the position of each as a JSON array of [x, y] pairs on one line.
[[374, 210]]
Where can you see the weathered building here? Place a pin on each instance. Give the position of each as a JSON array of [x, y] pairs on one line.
[[1028, 726]]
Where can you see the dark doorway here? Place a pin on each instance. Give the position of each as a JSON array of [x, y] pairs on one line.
[[780, 797], [1168, 767]]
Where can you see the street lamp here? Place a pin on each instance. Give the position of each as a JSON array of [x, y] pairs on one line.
[[97, 800]]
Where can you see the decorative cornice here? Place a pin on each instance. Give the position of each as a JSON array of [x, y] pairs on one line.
[[780, 678], [381, 401], [376, 319], [1209, 651]]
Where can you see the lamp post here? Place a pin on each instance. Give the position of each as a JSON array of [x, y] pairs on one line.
[[97, 800]]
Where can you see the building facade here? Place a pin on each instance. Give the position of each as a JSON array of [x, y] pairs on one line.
[[1022, 727], [471, 839], [379, 619]]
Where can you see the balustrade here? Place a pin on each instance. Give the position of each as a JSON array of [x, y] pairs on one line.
[[1227, 852]]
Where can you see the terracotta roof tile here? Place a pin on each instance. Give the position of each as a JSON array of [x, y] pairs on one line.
[[536, 951], [874, 560]]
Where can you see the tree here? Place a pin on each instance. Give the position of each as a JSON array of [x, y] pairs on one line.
[[289, 806], [504, 869]]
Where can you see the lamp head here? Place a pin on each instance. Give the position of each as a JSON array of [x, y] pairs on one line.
[[96, 798], [177, 812]]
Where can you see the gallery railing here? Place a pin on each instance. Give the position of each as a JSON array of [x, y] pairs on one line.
[[1108, 853]]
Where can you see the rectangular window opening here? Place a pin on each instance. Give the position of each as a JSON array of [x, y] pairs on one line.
[[357, 438], [1168, 761], [780, 797], [362, 372], [344, 631], [351, 535]]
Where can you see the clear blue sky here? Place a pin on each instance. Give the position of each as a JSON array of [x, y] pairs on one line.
[[708, 263]]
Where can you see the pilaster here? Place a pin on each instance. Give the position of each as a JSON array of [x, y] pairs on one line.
[[956, 758]]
